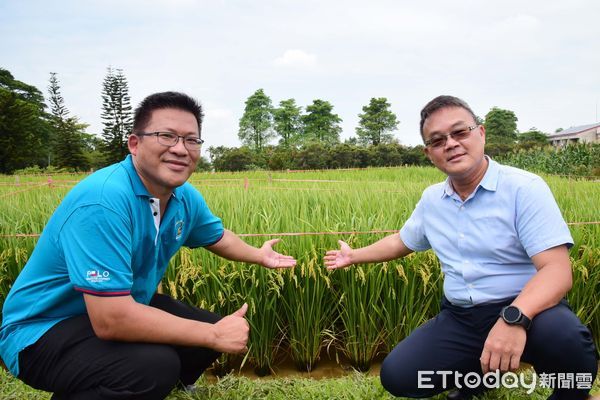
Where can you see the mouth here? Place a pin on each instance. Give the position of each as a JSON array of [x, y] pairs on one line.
[[455, 157], [177, 165]]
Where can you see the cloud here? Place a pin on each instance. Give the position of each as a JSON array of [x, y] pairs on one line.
[[296, 59]]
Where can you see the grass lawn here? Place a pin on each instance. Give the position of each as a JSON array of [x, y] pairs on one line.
[[353, 386]]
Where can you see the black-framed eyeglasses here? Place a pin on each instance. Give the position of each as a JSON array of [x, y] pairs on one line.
[[171, 139], [438, 141]]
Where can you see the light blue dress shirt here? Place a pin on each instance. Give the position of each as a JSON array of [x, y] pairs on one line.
[[485, 243]]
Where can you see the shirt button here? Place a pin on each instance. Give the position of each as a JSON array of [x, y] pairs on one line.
[[151, 200], [155, 213], [471, 286]]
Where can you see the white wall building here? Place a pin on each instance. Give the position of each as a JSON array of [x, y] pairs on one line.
[[576, 134]]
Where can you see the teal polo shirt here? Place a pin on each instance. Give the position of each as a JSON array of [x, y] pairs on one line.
[[106, 239]]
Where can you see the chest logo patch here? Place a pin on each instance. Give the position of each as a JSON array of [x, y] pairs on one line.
[[178, 229]]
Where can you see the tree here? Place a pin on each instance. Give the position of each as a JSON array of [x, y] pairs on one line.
[[116, 115], [24, 127], [232, 158], [288, 122], [501, 126], [256, 125], [68, 131], [375, 122], [320, 124], [532, 138]]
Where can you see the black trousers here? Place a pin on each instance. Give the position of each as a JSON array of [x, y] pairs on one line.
[[558, 345], [72, 362]]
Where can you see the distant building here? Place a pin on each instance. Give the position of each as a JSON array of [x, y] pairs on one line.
[[576, 134]]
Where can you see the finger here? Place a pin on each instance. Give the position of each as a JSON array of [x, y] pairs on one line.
[[485, 361], [494, 362], [242, 311], [505, 362], [342, 243], [331, 254], [515, 362]]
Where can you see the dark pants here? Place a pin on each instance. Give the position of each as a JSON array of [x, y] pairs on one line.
[[72, 362], [557, 343]]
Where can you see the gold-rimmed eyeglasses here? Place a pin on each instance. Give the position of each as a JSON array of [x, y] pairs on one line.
[[438, 141]]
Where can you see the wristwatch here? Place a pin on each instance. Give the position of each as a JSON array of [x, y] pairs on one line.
[[513, 316]]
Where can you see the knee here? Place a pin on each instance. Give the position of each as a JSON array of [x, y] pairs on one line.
[[401, 381], [559, 336], [158, 372]]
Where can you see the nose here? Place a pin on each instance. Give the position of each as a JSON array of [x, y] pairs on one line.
[[179, 147], [450, 142]]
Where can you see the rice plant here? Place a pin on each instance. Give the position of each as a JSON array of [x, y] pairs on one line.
[[362, 311], [308, 310]]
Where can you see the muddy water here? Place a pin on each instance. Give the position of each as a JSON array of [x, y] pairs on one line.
[[327, 367]]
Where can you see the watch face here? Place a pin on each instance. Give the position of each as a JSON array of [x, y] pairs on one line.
[[512, 314]]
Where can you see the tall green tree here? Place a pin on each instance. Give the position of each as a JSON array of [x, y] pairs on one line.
[[68, 131], [501, 126], [288, 122], [256, 125], [117, 116], [24, 126], [321, 124], [376, 121]]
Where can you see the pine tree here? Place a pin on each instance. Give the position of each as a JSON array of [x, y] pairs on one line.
[[116, 115], [68, 143]]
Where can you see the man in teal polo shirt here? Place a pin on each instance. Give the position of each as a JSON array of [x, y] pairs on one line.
[[83, 319], [503, 248]]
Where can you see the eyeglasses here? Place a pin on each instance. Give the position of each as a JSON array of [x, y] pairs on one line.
[[440, 140], [171, 139]]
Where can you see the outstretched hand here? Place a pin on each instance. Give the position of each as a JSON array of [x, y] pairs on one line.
[[341, 258], [272, 259]]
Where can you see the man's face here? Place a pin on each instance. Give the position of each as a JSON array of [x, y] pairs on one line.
[[457, 158], [160, 167]]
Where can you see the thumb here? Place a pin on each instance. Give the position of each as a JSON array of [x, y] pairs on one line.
[[343, 244], [242, 311], [272, 242]]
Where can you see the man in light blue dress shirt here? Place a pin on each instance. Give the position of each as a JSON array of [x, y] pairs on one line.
[[503, 248]]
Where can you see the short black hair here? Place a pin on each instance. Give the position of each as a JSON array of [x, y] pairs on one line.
[[440, 102], [162, 100]]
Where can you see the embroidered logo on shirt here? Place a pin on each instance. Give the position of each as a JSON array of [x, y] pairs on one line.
[[178, 229], [95, 276]]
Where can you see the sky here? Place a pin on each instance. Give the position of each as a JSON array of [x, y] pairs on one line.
[[538, 58]]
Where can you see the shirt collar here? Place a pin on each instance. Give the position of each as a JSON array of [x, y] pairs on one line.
[[138, 186], [488, 182]]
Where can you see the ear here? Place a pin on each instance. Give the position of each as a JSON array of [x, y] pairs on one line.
[[132, 143], [426, 151], [482, 130]]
